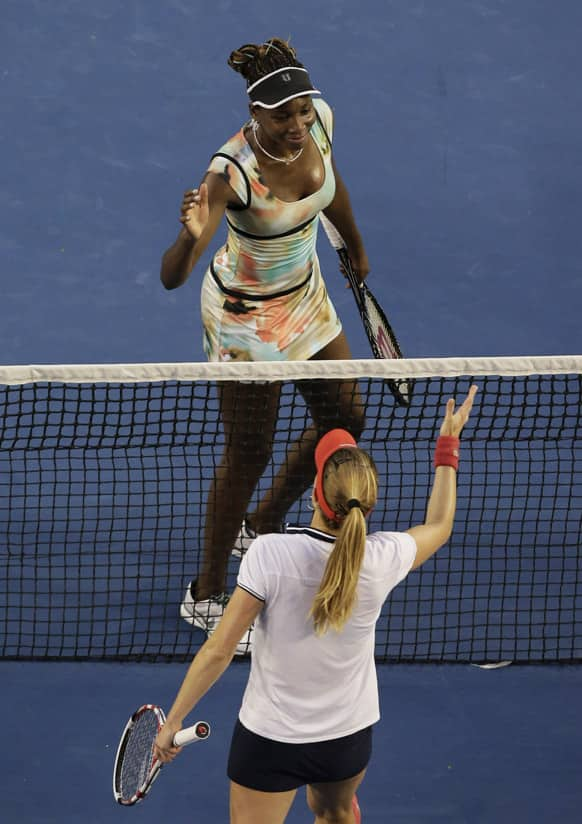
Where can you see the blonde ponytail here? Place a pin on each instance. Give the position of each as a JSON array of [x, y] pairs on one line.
[[351, 487], [336, 598]]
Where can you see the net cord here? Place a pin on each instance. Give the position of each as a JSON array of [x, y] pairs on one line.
[[290, 370]]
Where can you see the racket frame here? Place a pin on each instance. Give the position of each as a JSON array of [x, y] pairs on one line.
[[197, 732], [401, 389]]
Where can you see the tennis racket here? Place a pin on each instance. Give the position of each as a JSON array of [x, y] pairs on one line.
[[136, 767], [382, 339]]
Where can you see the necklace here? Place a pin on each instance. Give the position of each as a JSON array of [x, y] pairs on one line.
[[285, 160]]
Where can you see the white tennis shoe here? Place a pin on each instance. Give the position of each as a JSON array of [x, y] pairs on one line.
[[203, 614], [206, 614]]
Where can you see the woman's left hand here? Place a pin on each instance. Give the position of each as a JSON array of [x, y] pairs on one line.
[[360, 263]]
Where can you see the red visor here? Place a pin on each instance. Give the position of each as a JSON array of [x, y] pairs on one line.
[[330, 443]]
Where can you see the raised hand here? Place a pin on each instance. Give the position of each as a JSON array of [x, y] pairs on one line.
[[194, 211], [454, 421]]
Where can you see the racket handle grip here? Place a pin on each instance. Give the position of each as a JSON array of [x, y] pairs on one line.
[[332, 233], [197, 732]]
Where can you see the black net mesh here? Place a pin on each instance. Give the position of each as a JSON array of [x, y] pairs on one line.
[[103, 489]]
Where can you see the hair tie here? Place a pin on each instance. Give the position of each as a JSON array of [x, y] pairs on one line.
[[269, 45], [353, 502]]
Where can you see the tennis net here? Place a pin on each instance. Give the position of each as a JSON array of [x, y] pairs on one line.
[[105, 473]]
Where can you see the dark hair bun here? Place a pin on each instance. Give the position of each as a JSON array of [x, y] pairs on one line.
[[254, 61]]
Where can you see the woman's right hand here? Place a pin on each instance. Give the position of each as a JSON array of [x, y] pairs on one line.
[[164, 748], [455, 421], [194, 212]]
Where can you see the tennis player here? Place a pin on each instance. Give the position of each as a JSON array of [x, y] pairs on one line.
[[263, 296], [315, 594]]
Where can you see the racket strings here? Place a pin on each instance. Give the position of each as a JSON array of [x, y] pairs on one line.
[[384, 344], [138, 756], [381, 332]]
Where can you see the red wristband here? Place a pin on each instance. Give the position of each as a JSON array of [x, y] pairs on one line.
[[446, 452]]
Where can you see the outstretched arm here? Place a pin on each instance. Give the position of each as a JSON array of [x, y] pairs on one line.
[[200, 215], [438, 525]]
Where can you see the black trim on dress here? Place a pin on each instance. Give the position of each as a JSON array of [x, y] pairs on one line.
[[271, 237], [233, 293], [245, 178]]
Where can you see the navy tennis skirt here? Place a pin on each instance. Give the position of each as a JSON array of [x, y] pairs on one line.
[[274, 766]]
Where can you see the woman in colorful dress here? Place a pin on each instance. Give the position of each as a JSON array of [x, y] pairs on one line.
[[264, 299]]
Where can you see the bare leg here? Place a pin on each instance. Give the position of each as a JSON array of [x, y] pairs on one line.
[[332, 803], [255, 807], [249, 414], [332, 404]]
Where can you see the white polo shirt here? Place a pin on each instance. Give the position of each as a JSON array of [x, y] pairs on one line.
[[302, 687]]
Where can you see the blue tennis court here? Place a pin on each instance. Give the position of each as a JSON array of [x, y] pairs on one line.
[[457, 133], [456, 744]]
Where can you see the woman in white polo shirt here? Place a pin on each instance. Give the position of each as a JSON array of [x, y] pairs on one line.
[[315, 595]]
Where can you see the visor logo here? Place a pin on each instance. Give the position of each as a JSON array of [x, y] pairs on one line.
[[286, 77]]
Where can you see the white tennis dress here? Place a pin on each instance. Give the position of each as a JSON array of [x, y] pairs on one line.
[[304, 688]]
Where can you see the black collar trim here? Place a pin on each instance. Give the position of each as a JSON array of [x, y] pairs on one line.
[[313, 533]]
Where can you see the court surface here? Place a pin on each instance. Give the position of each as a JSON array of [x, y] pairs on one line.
[[457, 133], [456, 745]]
